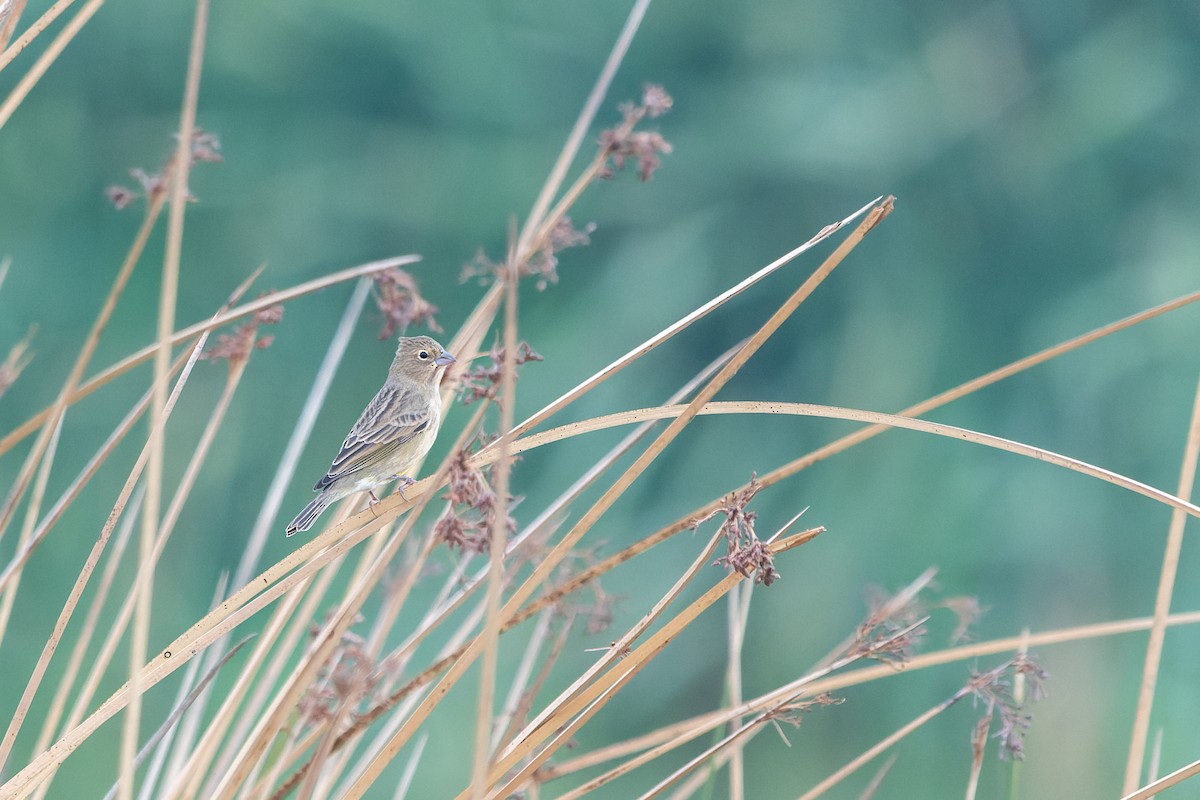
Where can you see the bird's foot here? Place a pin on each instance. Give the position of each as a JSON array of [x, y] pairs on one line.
[[405, 482]]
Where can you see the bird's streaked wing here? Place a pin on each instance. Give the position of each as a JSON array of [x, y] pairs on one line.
[[379, 432]]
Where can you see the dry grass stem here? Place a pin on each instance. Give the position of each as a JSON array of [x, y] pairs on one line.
[[286, 470], [72, 601], [179, 730], [560, 550], [499, 538], [183, 335], [13, 569], [1178, 776], [11, 577], [52, 414], [685, 322], [879, 747], [151, 507], [8, 24], [180, 708], [1162, 603], [583, 123], [877, 780], [832, 412], [53, 51], [579, 703], [87, 631], [17, 360]]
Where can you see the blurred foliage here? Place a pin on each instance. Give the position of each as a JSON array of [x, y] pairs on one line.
[[1047, 170]]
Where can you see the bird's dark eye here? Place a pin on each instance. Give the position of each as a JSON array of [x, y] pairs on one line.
[[423, 355]]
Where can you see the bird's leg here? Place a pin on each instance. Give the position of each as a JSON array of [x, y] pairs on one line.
[[405, 482], [374, 501]]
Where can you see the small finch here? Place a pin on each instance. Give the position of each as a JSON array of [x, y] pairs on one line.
[[392, 435]]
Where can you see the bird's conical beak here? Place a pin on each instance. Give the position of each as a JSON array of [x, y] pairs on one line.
[[444, 359]]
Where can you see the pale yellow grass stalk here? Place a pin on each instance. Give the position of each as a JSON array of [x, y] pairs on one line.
[[882, 745], [564, 715], [1162, 604], [490, 636], [16, 564], [53, 51], [286, 629], [8, 24], [877, 779], [669, 736], [184, 334], [85, 573], [686, 321], [583, 704], [151, 507], [10, 580], [324, 645], [182, 492], [189, 697], [846, 442], [48, 418], [564, 546], [558, 173], [833, 412], [86, 632], [520, 697], [1178, 776], [738, 613]]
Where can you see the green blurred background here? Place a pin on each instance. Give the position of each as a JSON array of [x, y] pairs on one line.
[[1045, 161]]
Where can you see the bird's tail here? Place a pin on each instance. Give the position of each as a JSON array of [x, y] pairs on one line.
[[305, 519]]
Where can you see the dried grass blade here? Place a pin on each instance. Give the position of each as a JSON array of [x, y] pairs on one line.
[[285, 472], [17, 360], [686, 321], [151, 508], [853, 414], [882, 745], [1178, 776], [557, 508], [163, 751], [568, 712], [184, 334], [70, 385], [9, 25], [544, 567], [87, 631], [85, 573], [293, 613], [974, 385], [179, 710], [877, 780], [324, 644], [582, 705], [1162, 603], [555, 713], [584, 121], [53, 51], [10, 579], [793, 467]]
